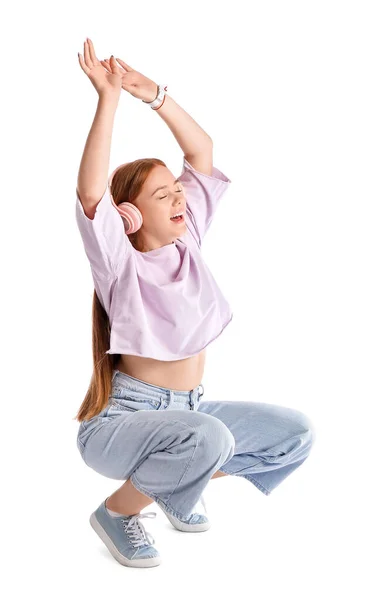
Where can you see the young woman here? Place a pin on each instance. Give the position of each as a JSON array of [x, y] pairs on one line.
[[156, 307]]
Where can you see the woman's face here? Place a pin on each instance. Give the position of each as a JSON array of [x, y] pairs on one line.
[[161, 198]]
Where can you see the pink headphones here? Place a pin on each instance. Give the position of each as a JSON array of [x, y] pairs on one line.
[[130, 213]]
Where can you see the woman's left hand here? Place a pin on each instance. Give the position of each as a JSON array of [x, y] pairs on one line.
[[135, 83]]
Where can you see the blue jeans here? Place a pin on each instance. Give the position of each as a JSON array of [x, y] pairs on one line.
[[170, 443]]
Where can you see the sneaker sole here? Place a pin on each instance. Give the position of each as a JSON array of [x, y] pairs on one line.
[[127, 562]]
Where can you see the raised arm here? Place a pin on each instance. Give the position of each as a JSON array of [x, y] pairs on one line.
[[93, 171], [101, 226], [203, 182], [195, 143]]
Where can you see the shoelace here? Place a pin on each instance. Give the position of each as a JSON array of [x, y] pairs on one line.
[[136, 530]]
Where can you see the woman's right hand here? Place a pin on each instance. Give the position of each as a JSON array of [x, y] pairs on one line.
[[105, 83]]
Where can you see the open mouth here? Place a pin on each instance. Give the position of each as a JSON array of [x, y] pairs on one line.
[[178, 219]]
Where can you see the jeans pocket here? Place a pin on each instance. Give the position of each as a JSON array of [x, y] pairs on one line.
[[127, 404], [117, 408]]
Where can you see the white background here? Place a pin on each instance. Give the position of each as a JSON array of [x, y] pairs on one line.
[[286, 91]]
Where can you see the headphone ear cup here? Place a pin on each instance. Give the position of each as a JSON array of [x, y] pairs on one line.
[[131, 215]]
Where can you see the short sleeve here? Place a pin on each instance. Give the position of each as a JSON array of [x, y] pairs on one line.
[[104, 238], [203, 193]]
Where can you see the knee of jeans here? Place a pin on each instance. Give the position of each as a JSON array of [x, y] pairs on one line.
[[306, 424], [218, 436], [231, 443], [312, 430]]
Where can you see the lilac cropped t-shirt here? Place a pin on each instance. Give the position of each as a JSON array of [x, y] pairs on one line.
[[164, 303]]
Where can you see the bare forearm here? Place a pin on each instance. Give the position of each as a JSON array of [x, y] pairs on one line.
[[191, 138], [93, 170]]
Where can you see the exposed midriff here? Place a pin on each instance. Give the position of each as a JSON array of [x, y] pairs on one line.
[[180, 375]]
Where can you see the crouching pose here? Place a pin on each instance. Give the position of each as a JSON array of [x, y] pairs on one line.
[[156, 308]]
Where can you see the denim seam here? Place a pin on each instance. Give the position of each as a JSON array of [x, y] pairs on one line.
[[166, 504], [226, 472], [117, 403], [187, 466], [257, 484], [140, 487], [249, 478], [158, 501], [191, 458], [239, 471]]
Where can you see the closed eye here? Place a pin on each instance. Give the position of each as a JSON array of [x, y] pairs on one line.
[[177, 191]]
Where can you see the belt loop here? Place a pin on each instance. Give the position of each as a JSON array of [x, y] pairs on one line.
[[200, 385], [171, 397]]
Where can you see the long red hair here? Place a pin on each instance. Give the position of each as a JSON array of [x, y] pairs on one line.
[[127, 183]]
